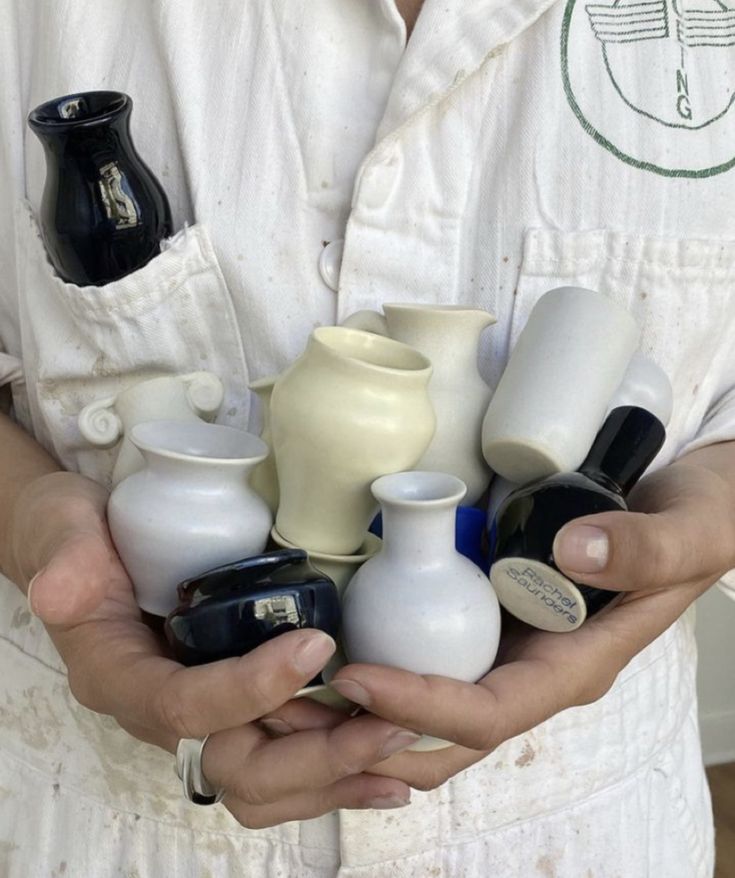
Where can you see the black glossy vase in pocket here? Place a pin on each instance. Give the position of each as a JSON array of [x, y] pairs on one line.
[[103, 213]]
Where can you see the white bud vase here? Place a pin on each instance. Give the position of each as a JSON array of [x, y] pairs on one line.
[[190, 397], [449, 336], [552, 397], [418, 604], [353, 407], [190, 509]]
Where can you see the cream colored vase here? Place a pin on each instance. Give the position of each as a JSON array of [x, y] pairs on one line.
[[353, 407], [265, 477], [191, 397], [449, 336]]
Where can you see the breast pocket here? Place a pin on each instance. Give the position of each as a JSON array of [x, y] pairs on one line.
[[680, 292], [79, 344]]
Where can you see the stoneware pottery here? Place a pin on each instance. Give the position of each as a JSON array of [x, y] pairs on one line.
[[353, 407], [419, 604], [233, 609], [470, 537], [448, 335], [524, 575], [647, 386], [339, 568], [191, 397], [551, 400], [265, 477], [103, 213], [190, 509]]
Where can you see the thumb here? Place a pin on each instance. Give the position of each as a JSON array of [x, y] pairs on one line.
[[627, 551], [74, 581]]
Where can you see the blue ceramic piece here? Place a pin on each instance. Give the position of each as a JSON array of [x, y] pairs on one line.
[[470, 538], [232, 609]]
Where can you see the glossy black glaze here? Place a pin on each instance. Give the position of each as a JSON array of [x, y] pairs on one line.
[[530, 518], [103, 212], [222, 612]]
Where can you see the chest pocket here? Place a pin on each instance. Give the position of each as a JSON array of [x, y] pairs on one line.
[[680, 292], [80, 344]]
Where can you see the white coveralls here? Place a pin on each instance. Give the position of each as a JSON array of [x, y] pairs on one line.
[[509, 148]]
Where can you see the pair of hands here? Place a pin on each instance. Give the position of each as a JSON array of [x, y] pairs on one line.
[[282, 759]]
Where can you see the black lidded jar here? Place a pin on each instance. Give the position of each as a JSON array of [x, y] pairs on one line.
[[233, 609], [103, 212], [527, 581]]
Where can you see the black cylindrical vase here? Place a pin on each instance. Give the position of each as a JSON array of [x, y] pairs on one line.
[[103, 212], [524, 574]]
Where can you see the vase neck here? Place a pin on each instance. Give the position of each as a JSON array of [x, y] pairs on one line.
[[419, 533]]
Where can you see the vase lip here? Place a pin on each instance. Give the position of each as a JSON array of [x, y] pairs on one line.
[[419, 488], [371, 351], [198, 441], [101, 108], [429, 307], [369, 547]]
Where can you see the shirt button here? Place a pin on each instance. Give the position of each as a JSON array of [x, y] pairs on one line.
[[330, 263]]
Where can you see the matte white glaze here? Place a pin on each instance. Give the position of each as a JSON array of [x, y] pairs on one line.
[[551, 400], [419, 604], [191, 507]]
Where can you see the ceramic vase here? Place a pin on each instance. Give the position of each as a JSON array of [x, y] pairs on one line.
[[265, 476], [233, 609], [419, 604], [353, 407], [524, 573], [448, 335], [647, 386], [103, 213], [190, 509], [339, 568], [191, 397], [552, 397]]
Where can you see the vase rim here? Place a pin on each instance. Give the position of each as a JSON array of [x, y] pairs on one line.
[[428, 307], [369, 547], [198, 441], [419, 488], [371, 351], [104, 106]]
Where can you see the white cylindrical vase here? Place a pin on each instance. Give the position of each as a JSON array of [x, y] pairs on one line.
[[552, 397]]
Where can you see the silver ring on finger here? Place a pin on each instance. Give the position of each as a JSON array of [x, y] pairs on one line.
[[197, 788]]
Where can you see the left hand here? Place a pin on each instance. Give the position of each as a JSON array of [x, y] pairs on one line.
[[678, 542]]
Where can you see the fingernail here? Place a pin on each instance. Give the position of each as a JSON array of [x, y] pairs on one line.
[[352, 691], [398, 741], [29, 591], [581, 548], [313, 652], [277, 726], [384, 802]]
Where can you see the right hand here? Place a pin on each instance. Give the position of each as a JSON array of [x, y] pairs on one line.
[[119, 666]]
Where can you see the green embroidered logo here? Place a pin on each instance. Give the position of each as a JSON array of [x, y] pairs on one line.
[[653, 81]]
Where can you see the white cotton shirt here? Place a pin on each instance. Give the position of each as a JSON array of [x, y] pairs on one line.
[[507, 149]]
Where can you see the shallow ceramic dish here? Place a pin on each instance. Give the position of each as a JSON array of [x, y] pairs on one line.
[[233, 609]]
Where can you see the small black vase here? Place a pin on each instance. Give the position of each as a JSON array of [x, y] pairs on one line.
[[231, 610], [103, 213], [524, 574]]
